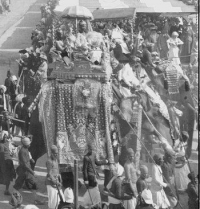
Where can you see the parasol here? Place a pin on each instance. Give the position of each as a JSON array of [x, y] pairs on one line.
[[78, 12]]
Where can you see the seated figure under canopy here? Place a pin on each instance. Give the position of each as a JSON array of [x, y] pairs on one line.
[[117, 35]]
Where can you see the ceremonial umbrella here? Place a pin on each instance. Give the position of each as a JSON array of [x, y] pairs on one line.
[[78, 12]]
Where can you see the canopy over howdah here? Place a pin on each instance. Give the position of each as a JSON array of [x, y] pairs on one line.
[[125, 13]]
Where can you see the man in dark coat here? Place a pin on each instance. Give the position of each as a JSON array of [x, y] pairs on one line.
[[192, 191], [89, 170], [25, 173], [146, 58]]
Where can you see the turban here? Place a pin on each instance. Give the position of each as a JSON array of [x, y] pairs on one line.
[[185, 134], [54, 148], [130, 151], [175, 34], [13, 78], [43, 56], [16, 199], [119, 170], [3, 88], [157, 157], [143, 168], [69, 195], [191, 175], [147, 196], [26, 141]]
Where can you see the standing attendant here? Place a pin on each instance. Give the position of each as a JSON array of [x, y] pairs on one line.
[[24, 171], [173, 45], [162, 44], [92, 196], [181, 166], [159, 196], [188, 38], [141, 182], [168, 173], [131, 178], [115, 187], [89, 170], [6, 162], [3, 105], [53, 179], [42, 70], [192, 191]]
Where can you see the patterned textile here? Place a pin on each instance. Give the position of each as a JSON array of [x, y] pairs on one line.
[[86, 94], [172, 79], [72, 129]]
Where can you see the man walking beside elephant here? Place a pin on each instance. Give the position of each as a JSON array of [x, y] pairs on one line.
[[168, 173], [24, 171]]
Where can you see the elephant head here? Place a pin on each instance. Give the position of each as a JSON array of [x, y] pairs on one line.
[[184, 103]]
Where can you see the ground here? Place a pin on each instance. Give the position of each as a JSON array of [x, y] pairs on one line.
[[15, 32]]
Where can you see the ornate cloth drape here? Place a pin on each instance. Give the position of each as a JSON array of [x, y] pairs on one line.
[[74, 115]]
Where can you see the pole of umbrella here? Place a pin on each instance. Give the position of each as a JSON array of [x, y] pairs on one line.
[[76, 26], [76, 184]]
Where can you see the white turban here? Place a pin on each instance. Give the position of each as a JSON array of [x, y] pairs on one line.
[[3, 88], [119, 170], [69, 195]]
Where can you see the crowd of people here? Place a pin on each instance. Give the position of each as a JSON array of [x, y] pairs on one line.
[[125, 187]]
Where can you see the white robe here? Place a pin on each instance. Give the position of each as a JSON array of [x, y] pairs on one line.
[[174, 50], [117, 35], [157, 184], [53, 198], [127, 75]]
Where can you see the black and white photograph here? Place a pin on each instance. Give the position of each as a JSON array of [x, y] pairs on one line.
[[99, 104]]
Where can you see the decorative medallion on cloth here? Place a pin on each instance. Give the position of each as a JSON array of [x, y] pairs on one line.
[[74, 115]]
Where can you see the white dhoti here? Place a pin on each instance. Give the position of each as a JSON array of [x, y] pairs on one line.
[[160, 199], [53, 197], [181, 177]]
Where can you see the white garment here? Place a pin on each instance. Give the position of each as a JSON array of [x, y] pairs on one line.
[[181, 178], [174, 50], [117, 35], [95, 55], [128, 76], [157, 184], [181, 174], [53, 197]]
